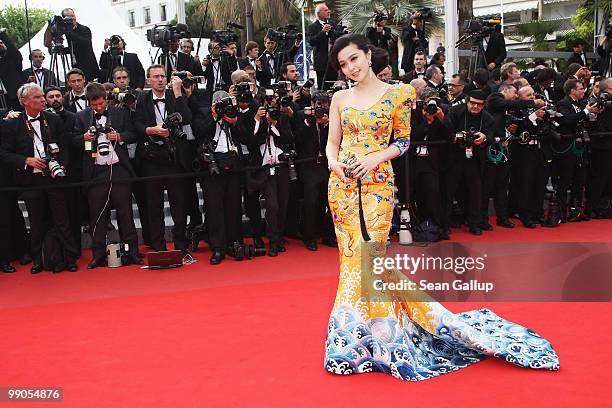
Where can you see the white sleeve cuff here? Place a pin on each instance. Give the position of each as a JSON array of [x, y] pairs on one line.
[[275, 130], [256, 126]]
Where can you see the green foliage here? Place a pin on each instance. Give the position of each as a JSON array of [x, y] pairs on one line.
[[13, 19], [358, 14], [536, 32]]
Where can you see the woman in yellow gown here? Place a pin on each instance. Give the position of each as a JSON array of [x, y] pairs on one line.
[[412, 340]]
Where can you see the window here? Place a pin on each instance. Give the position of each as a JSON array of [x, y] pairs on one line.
[[162, 12], [131, 18], [147, 15]]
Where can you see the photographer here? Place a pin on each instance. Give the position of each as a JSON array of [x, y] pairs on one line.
[[435, 80], [378, 34], [494, 47], [75, 100], [79, 42], [271, 142], [470, 126], [300, 94], [603, 50], [578, 56], [427, 124], [414, 40], [11, 77], [217, 68], [102, 133], [320, 36], [41, 76], [496, 177], [544, 80], [32, 145], [567, 159], [186, 48], [253, 60], [157, 149], [420, 63], [601, 158], [216, 127], [117, 57], [530, 155], [456, 96], [311, 127]]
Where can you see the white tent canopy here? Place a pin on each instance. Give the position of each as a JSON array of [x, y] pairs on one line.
[[101, 19]]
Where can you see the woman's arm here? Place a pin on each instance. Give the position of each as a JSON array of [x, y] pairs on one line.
[[334, 136]]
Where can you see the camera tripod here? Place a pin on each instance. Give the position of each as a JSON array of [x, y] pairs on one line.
[[477, 55], [59, 54]]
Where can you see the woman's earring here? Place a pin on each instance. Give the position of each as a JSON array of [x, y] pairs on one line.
[[369, 63], [370, 71]]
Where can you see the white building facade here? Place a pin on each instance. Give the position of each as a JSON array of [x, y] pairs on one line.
[[141, 15]]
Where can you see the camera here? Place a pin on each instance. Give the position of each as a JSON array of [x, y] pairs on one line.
[[337, 31], [379, 16], [101, 141], [174, 123], [244, 91], [289, 157], [481, 27], [227, 35], [188, 79], [162, 35], [284, 36], [206, 156], [318, 111], [60, 25], [55, 169], [430, 106], [226, 107], [114, 50], [424, 13], [603, 100], [126, 97], [282, 90]]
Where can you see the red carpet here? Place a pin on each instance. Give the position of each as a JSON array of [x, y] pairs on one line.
[[251, 334]]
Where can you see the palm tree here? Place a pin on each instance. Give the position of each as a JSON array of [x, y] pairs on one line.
[[357, 15], [536, 32]]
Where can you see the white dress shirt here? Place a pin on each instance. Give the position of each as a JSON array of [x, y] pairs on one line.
[[112, 157], [39, 146]]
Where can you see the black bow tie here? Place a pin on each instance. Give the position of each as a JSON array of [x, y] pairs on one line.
[[162, 100], [82, 97], [99, 115], [37, 69], [38, 118]]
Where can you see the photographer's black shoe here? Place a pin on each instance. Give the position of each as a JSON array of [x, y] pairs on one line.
[[475, 231], [71, 267], [444, 234], [528, 223], [7, 268], [216, 257], [273, 251], [96, 262], [311, 245], [258, 243], [134, 259], [36, 268], [506, 223], [59, 268]]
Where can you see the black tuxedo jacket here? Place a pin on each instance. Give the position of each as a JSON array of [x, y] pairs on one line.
[[319, 40], [144, 117], [120, 120], [17, 144], [308, 141], [130, 61], [411, 46], [80, 41], [498, 106], [496, 49], [184, 63], [74, 154], [227, 65], [577, 59], [48, 76], [69, 102], [262, 75]]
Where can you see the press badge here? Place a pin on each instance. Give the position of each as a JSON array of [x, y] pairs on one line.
[[422, 151], [469, 152], [272, 170]]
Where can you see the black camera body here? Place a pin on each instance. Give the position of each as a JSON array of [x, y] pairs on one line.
[[51, 158], [206, 157], [603, 100], [379, 16], [60, 25], [479, 27], [188, 79], [174, 123], [290, 157], [126, 97], [430, 106], [244, 92], [226, 107], [162, 35], [100, 143], [223, 37]]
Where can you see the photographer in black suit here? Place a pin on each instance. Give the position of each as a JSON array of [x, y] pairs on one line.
[[41, 76], [177, 61], [117, 57], [494, 46], [413, 38], [216, 129], [311, 127], [28, 142], [79, 40], [320, 37], [11, 76], [217, 67], [378, 34], [155, 153], [105, 157]]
